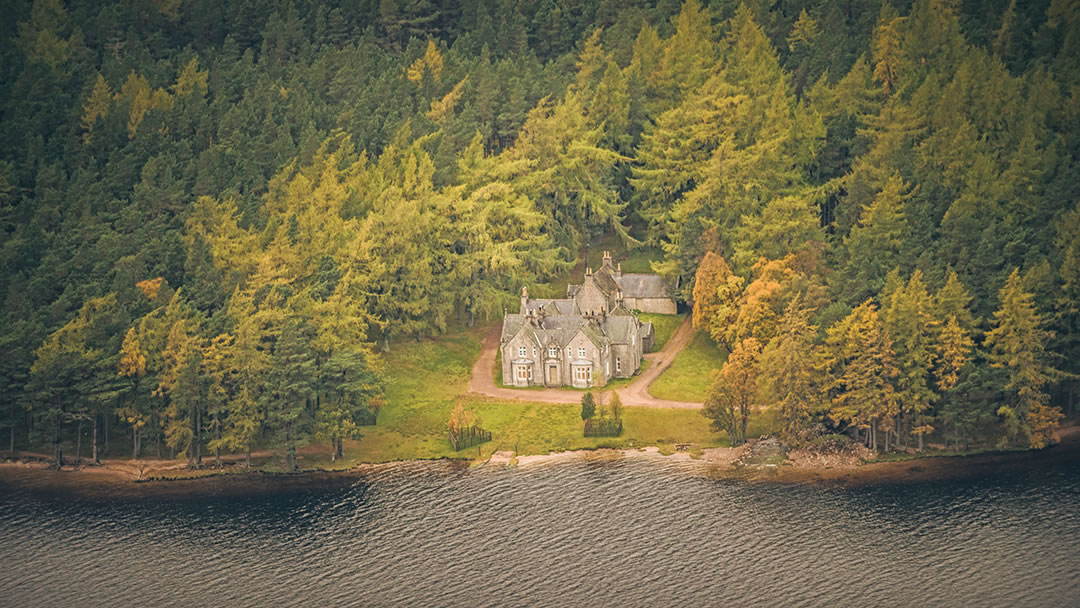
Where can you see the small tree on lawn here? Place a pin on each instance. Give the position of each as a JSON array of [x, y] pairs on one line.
[[615, 405], [588, 405]]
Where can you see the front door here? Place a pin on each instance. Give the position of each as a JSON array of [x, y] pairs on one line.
[[553, 374]]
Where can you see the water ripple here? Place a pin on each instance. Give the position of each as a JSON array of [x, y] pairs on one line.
[[627, 533]]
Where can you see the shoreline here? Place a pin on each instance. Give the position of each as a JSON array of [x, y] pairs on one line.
[[121, 479]]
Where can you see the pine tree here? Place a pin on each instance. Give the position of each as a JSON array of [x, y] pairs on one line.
[[876, 245]]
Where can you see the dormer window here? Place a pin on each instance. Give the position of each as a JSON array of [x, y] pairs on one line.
[[553, 352], [521, 352]]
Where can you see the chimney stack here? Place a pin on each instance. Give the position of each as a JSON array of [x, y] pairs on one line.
[[524, 299], [618, 271], [607, 260]]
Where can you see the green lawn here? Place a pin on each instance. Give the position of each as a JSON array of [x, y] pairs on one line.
[[664, 326], [688, 377], [425, 379]]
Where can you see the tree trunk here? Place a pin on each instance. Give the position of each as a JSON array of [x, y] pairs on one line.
[[873, 436], [58, 455], [93, 450], [248, 456], [105, 430], [340, 450], [11, 446], [198, 437], [290, 452], [78, 444]]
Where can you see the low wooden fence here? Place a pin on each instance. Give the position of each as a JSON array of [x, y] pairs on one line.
[[468, 437], [603, 427]]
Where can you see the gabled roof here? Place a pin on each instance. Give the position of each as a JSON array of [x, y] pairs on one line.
[[643, 286], [605, 282], [618, 328], [553, 306], [557, 329], [594, 334]]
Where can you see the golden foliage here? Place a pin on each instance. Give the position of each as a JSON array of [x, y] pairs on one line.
[[150, 287], [432, 61], [96, 106]]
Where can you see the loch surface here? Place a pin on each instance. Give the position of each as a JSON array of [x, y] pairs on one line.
[[632, 532]]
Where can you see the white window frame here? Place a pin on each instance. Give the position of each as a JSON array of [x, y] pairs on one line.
[[581, 352], [521, 373], [618, 365], [553, 352], [521, 352], [569, 352], [534, 352], [633, 339]]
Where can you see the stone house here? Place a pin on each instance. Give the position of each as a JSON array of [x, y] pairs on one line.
[[585, 339]]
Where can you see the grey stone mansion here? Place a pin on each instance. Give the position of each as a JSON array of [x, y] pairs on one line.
[[587, 338]]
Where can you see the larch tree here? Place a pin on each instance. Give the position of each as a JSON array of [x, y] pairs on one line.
[[733, 393], [290, 384], [860, 368], [716, 292], [1017, 344], [910, 321], [132, 366], [788, 377]]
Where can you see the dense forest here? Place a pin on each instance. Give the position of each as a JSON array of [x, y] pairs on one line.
[[215, 215]]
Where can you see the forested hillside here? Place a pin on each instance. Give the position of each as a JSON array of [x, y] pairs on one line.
[[214, 215]]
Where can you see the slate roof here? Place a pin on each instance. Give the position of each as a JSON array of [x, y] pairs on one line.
[[554, 307], [643, 286], [618, 328], [558, 328], [603, 279]]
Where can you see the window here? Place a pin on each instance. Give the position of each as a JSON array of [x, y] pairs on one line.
[[581, 374], [588, 371], [521, 352], [569, 352], [534, 352], [633, 339], [553, 352], [522, 374], [530, 374], [581, 352], [618, 365]]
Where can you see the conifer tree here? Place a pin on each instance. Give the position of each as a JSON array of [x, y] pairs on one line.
[[788, 377], [290, 384], [734, 391], [1017, 344], [860, 369]]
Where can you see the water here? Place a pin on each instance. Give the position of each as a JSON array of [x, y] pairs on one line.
[[624, 533]]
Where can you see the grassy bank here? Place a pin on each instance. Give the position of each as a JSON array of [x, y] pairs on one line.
[[664, 326], [688, 377], [426, 379]]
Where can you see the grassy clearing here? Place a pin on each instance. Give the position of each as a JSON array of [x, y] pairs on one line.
[[688, 377], [663, 325], [425, 381]]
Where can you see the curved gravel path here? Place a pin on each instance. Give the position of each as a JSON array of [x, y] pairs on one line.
[[635, 394]]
